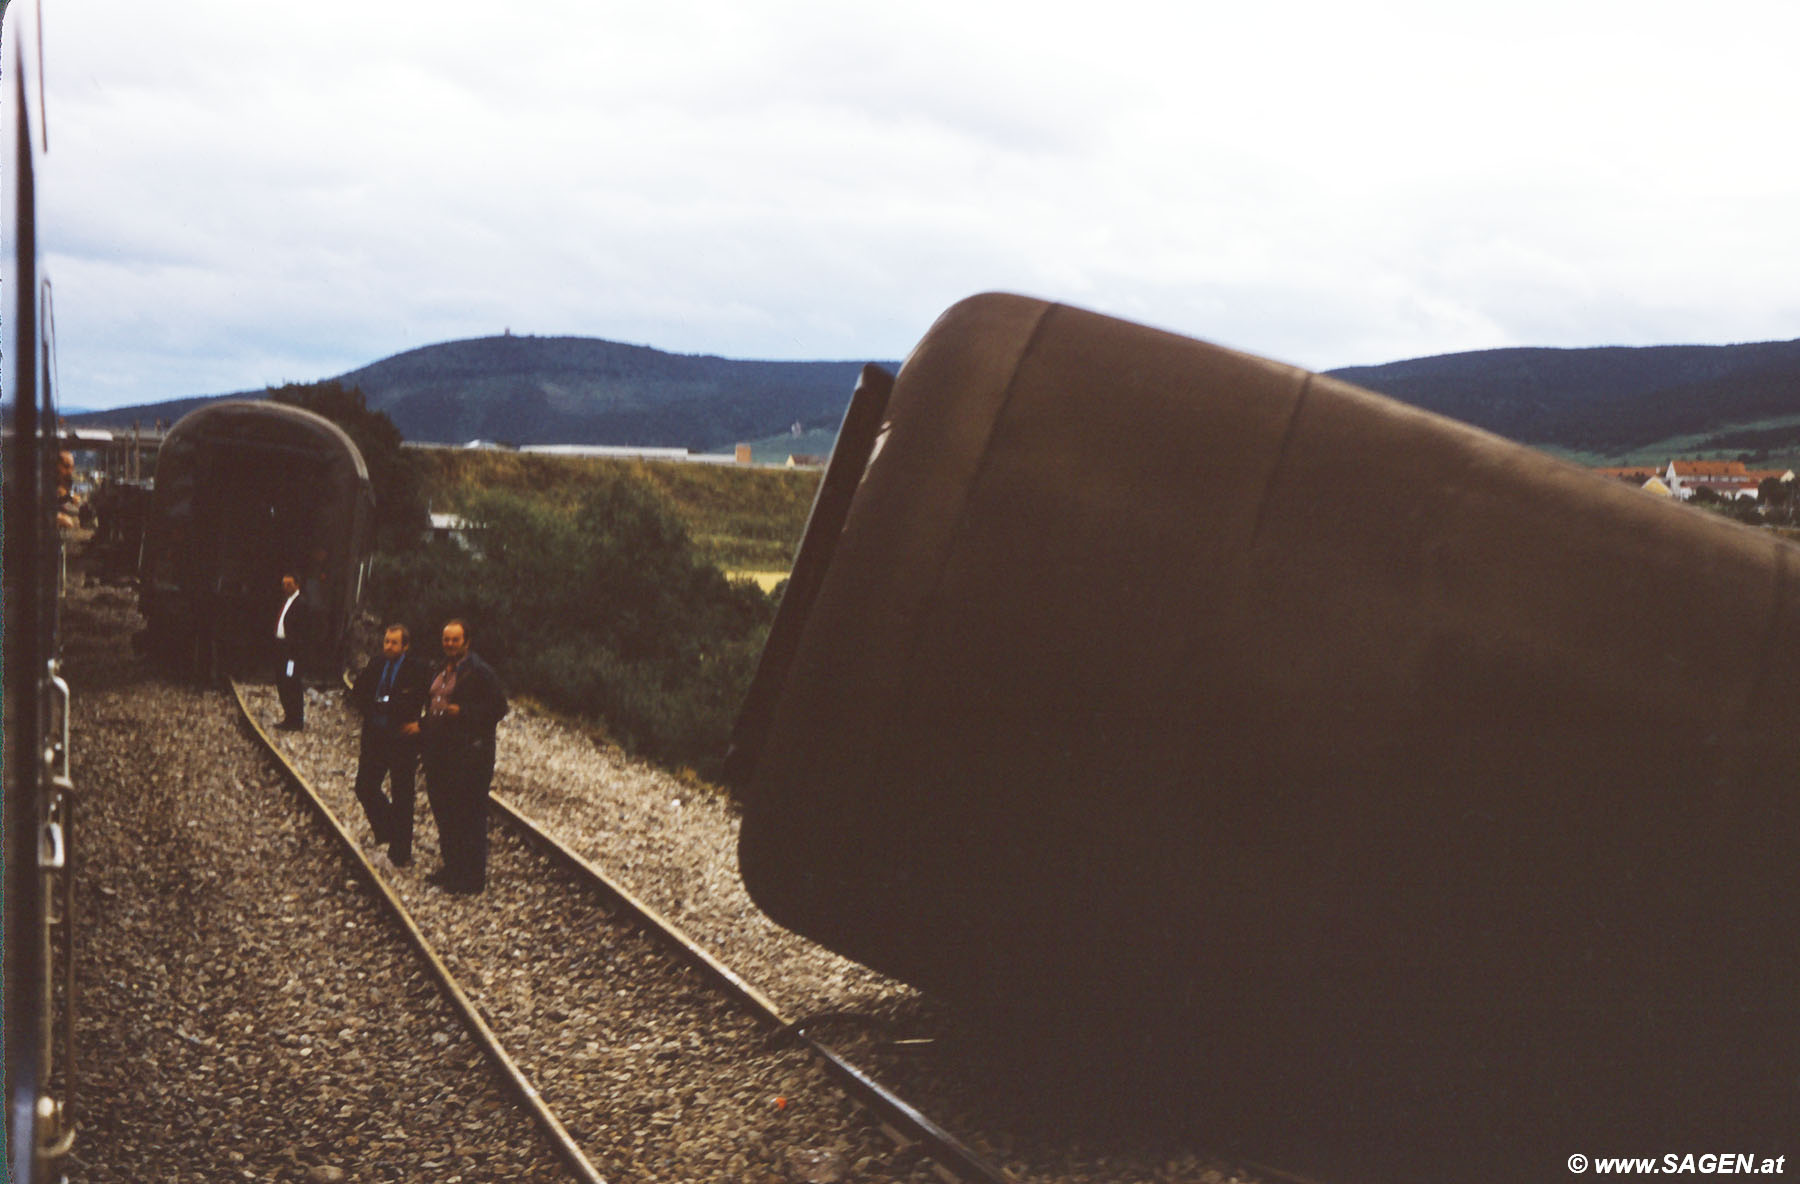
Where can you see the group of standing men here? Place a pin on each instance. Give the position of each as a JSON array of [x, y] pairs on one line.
[[447, 716], [442, 714]]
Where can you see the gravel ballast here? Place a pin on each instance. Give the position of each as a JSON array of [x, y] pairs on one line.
[[672, 843], [243, 1013], [248, 1015], [657, 1074]]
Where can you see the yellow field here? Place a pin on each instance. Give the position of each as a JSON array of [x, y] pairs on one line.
[[766, 580]]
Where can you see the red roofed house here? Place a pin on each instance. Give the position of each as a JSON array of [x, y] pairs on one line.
[[1727, 478]]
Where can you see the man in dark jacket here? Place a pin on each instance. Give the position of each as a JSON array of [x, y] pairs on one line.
[[390, 693], [465, 706], [293, 636]]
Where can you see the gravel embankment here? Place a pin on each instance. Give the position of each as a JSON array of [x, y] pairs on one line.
[[247, 1016], [673, 844], [244, 1015], [656, 1073]]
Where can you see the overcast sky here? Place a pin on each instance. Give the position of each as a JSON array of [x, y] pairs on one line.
[[245, 192]]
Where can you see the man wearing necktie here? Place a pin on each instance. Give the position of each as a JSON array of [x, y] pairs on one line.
[[390, 693]]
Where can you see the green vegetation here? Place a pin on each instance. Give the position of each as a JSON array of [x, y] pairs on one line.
[[737, 517], [399, 500], [1765, 444], [1777, 505], [1737, 509], [593, 585], [597, 605]]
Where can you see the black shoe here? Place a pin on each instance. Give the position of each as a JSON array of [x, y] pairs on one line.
[[453, 884]]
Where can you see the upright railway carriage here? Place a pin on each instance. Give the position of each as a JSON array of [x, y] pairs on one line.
[[245, 491], [38, 794], [1301, 730]]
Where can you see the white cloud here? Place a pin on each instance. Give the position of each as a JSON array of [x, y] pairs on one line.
[[243, 194]]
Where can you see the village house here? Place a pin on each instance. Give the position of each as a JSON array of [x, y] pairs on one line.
[[1727, 478]]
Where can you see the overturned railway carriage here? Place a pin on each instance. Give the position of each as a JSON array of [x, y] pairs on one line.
[[244, 492], [1298, 730]]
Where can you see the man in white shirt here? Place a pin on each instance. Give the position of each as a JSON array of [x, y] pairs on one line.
[[293, 627]]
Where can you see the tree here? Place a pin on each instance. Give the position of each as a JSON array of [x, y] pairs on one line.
[[1743, 510], [1780, 506], [401, 516]]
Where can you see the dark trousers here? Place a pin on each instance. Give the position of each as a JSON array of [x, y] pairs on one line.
[[289, 688], [457, 776], [386, 753]]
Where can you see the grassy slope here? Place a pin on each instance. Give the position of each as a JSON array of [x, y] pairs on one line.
[[1713, 444], [740, 517]]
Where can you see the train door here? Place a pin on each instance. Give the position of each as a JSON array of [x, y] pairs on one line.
[[255, 515]]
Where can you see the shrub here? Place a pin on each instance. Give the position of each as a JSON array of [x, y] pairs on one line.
[[604, 610]]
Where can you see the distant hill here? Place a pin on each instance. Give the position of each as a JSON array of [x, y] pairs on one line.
[[1606, 401], [146, 415], [580, 390]]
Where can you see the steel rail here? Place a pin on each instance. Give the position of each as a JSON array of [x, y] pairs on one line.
[[894, 1112], [899, 1116], [903, 1121], [515, 1077]]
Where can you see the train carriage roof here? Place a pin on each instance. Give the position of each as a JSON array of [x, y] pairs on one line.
[[269, 425]]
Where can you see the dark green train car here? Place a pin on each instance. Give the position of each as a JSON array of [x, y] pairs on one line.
[[244, 492]]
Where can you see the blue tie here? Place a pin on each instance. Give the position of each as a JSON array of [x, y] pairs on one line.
[[387, 678]]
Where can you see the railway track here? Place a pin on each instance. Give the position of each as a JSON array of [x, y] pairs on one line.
[[245, 1013], [639, 1053]]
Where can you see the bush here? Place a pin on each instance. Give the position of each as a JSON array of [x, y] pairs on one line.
[[604, 611], [738, 516], [400, 512]]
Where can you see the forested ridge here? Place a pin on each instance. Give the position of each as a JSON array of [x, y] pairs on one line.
[[579, 390], [1605, 399], [585, 390]]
